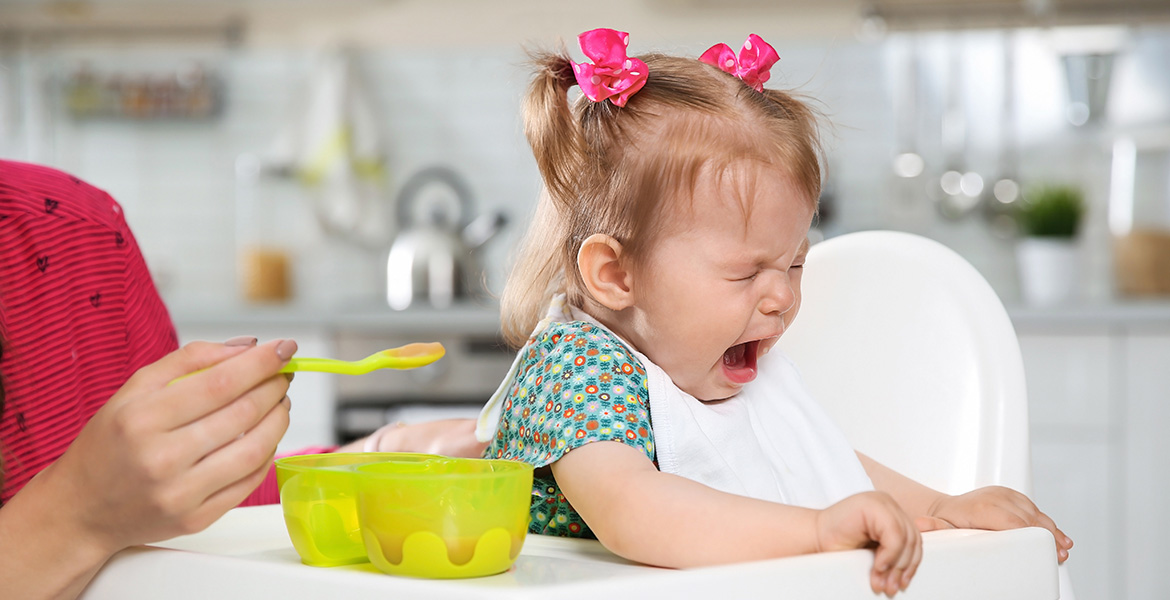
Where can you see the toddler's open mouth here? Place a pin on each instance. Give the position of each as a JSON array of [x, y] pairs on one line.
[[739, 362]]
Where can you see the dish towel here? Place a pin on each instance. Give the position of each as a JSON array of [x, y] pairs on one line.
[[771, 441], [336, 151]]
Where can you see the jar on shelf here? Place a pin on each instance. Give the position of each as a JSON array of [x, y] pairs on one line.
[[1139, 213], [264, 264]]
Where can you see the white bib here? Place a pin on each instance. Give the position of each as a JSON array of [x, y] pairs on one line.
[[771, 441]]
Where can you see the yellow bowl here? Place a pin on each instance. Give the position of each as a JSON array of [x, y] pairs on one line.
[[443, 517], [317, 495]]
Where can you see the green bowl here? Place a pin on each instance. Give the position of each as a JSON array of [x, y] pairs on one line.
[[443, 517], [318, 497]]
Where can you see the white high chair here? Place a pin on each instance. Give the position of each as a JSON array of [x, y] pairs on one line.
[[901, 339], [911, 352]]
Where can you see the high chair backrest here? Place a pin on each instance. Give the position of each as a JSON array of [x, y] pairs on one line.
[[911, 352]]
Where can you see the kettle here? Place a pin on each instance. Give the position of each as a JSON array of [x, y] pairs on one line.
[[433, 262]]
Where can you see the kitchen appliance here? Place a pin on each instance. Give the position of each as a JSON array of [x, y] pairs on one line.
[[434, 260]]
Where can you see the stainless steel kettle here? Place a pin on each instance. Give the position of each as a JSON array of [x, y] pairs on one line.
[[434, 262]]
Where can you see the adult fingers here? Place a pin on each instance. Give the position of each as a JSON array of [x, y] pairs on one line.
[[203, 393], [219, 428], [187, 359], [223, 500], [252, 450]]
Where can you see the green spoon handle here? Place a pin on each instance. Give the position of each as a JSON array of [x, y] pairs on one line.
[[326, 365]]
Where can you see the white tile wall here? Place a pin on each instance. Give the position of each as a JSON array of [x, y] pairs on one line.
[[461, 107]]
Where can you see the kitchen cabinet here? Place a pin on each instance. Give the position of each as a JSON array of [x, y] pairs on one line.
[[1145, 469], [1073, 443], [1097, 391]]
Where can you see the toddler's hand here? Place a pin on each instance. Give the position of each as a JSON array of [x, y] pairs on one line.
[[997, 508], [448, 437], [874, 517]]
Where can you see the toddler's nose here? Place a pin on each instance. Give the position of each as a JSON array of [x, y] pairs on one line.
[[778, 296]]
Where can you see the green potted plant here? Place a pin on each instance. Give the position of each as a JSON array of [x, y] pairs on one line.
[[1049, 217]]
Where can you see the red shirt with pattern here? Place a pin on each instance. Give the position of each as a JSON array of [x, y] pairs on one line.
[[79, 314]]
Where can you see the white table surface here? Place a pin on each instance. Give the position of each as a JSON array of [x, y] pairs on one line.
[[247, 554]]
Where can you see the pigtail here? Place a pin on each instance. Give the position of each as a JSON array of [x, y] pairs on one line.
[[549, 125], [558, 147]]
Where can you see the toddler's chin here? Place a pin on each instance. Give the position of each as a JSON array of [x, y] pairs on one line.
[[714, 393]]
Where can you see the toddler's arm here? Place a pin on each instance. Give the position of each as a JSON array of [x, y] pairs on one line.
[[993, 507], [657, 518]]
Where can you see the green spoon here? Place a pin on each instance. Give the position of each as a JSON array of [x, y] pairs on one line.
[[409, 356]]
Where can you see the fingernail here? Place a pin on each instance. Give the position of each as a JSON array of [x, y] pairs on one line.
[[242, 340], [286, 349]]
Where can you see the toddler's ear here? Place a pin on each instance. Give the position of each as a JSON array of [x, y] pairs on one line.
[[605, 276]]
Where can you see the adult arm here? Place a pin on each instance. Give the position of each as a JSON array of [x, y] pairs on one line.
[[156, 461], [991, 507], [658, 518]]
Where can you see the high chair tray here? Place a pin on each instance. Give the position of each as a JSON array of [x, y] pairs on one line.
[[247, 554]]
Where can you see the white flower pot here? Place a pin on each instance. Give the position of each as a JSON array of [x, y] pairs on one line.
[[1049, 270]]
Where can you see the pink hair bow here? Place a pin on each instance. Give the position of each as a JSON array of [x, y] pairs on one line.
[[753, 65], [612, 75]]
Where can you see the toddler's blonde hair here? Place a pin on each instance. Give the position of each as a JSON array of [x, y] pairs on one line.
[[615, 170]]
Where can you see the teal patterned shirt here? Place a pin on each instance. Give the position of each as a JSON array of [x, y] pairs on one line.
[[576, 383]]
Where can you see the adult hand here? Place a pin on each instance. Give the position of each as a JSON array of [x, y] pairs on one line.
[[161, 460], [997, 507], [871, 518], [158, 460]]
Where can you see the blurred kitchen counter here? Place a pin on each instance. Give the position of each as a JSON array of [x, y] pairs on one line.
[[1124, 314]]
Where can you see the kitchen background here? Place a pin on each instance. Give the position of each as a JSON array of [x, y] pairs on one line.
[[260, 149]]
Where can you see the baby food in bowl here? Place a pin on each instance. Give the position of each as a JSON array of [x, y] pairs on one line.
[[443, 517], [318, 497]]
